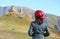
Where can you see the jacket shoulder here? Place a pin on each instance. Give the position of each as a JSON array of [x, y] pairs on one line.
[[33, 22]]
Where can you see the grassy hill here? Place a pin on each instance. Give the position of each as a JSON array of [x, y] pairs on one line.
[[15, 24], [12, 26]]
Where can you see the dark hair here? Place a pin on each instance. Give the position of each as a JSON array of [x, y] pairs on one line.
[[38, 18]]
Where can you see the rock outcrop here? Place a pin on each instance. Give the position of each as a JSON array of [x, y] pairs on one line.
[[12, 9], [21, 13]]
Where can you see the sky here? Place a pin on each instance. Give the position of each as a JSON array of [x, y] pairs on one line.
[[48, 6]]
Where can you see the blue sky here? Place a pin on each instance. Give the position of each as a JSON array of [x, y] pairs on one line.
[[48, 6]]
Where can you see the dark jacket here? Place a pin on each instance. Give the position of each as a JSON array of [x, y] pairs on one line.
[[37, 31]]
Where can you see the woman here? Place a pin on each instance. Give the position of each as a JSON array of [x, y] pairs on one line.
[[38, 29]]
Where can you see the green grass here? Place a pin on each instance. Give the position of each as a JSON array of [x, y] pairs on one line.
[[13, 35], [14, 24], [16, 35]]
